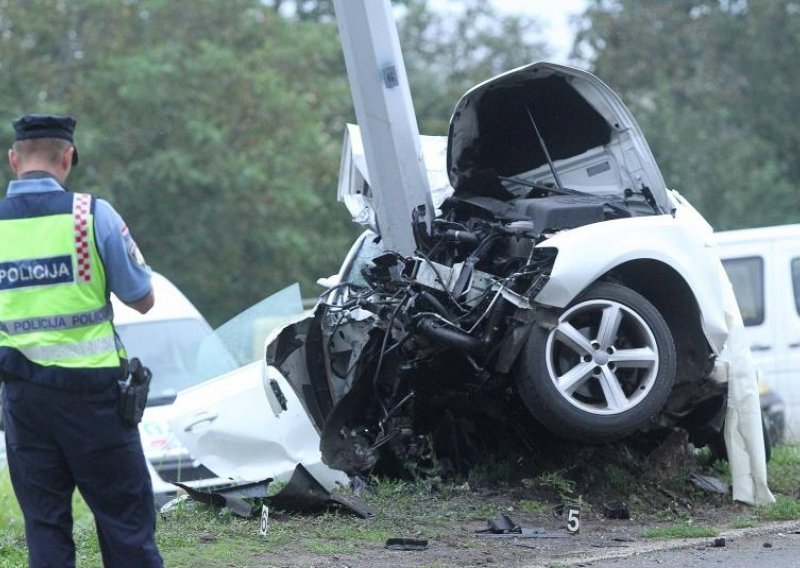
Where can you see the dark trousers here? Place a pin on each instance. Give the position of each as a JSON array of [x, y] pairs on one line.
[[57, 441]]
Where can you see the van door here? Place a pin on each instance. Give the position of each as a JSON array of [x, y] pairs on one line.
[[748, 271], [787, 350]]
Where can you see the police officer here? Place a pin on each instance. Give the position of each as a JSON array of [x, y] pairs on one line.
[[61, 254]]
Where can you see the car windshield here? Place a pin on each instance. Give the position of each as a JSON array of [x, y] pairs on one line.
[[169, 348]]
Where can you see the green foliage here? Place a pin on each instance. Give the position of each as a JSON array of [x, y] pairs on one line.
[[783, 470], [214, 128], [13, 551], [743, 523], [557, 481], [714, 94], [619, 479], [490, 473], [681, 530], [12, 532], [532, 507], [783, 509], [10, 514]]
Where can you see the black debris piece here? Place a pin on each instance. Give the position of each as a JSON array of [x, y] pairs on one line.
[[503, 527], [502, 524], [718, 542], [406, 544], [616, 510]]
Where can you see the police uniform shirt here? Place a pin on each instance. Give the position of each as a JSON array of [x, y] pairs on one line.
[[127, 273]]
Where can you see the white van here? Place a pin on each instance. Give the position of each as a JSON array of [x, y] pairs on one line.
[[763, 265]]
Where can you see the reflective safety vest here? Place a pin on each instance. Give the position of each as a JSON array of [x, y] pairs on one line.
[[55, 314]]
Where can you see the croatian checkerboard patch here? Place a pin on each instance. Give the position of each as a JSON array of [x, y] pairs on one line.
[[81, 207]]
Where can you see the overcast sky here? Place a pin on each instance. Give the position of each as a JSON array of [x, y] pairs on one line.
[[553, 14]]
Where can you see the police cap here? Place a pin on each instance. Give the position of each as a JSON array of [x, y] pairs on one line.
[[33, 126]]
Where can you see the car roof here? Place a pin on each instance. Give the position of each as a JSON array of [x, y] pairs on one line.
[[170, 303], [770, 233]]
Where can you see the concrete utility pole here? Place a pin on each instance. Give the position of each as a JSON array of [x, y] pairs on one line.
[[385, 115]]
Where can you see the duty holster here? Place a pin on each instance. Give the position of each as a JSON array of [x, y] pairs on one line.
[[133, 393]]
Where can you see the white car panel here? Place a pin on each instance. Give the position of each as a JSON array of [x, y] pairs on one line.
[[228, 424], [586, 253]]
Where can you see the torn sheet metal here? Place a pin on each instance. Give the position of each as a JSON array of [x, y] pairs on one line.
[[303, 494], [231, 497]]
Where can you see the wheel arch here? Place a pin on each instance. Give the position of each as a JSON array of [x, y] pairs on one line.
[[587, 254], [672, 296]]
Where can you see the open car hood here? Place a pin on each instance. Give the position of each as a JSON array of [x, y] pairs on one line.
[[591, 136]]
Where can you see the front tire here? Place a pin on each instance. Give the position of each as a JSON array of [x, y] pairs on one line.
[[604, 371]]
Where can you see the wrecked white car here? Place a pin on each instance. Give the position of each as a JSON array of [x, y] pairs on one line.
[[559, 280]]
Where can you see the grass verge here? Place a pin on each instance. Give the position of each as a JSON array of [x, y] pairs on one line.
[[197, 536]]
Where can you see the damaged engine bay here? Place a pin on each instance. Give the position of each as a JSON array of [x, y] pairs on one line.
[[432, 360]]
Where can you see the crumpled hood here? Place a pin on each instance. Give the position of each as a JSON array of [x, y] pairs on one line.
[[591, 136]]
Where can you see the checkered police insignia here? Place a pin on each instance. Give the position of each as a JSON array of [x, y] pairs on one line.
[[81, 206]]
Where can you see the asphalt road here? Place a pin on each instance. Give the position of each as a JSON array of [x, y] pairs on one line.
[[773, 546]]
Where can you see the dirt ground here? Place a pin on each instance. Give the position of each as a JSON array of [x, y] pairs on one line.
[[653, 487], [598, 543]]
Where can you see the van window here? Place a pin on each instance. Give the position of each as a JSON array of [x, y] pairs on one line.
[[796, 283], [747, 277]]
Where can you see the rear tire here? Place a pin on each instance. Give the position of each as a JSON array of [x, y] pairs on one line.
[[604, 371]]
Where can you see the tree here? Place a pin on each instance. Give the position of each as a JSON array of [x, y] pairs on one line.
[[447, 53], [215, 128], [714, 95]]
